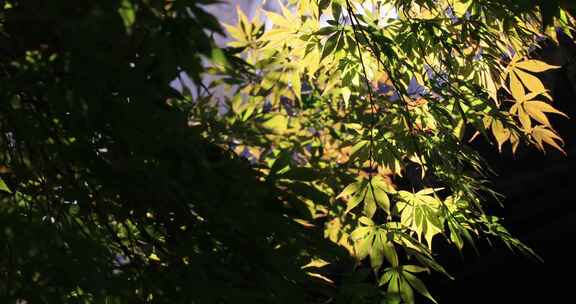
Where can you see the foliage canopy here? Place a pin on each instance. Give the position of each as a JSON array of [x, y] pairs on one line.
[[355, 116]]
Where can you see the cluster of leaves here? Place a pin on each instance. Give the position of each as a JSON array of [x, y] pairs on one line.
[[108, 195], [363, 110], [116, 188]]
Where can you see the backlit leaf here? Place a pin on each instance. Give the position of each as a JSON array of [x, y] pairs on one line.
[[406, 291], [414, 268], [356, 199], [418, 285], [278, 123], [386, 277], [535, 66], [351, 189], [378, 197], [536, 110], [530, 81], [543, 135], [500, 133], [279, 20], [4, 187], [377, 254], [516, 87], [524, 119]]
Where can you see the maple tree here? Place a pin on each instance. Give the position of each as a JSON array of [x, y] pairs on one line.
[[380, 99], [354, 117]]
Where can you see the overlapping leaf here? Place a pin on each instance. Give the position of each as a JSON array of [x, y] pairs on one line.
[[420, 212]]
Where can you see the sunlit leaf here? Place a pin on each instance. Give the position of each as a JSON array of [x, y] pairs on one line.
[[218, 57], [537, 109], [414, 268], [524, 119], [378, 197], [278, 123], [128, 13], [279, 20], [542, 135], [335, 118], [4, 187], [386, 277], [535, 66], [418, 285], [531, 82], [406, 291], [516, 87], [419, 212], [460, 7], [351, 189], [377, 253], [356, 199], [500, 133]]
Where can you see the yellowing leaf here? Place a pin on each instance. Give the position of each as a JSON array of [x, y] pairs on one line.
[[346, 92], [278, 123], [318, 263], [319, 276], [276, 37], [533, 95], [543, 135], [154, 257], [543, 107], [279, 20], [311, 61], [460, 7], [535, 66], [500, 133], [294, 20], [515, 141], [365, 221], [307, 7], [516, 87], [296, 84], [491, 86], [235, 33], [530, 81], [524, 119], [428, 191], [243, 21], [533, 109]]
